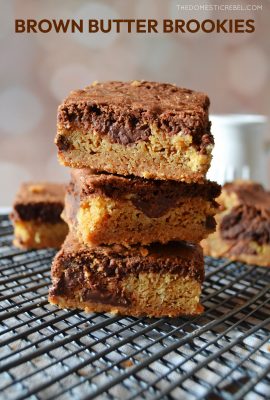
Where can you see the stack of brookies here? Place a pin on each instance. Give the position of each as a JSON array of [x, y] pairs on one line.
[[138, 203]]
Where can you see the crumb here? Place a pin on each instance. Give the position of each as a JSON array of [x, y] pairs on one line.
[[127, 364]]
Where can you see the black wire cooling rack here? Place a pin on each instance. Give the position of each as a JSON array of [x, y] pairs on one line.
[[48, 353]]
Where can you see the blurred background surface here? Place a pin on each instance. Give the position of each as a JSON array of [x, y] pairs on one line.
[[38, 70]]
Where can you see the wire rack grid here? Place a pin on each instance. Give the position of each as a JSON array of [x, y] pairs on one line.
[[47, 353]]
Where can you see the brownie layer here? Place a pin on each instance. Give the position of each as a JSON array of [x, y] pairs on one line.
[[124, 111], [39, 201], [128, 280], [175, 257]]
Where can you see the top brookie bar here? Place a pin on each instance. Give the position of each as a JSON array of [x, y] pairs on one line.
[[36, 215], [147, 129]]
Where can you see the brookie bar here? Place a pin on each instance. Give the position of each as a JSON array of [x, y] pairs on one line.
[[36, 216], [147, 129], [243, 226], [154, 281], [110, 209]]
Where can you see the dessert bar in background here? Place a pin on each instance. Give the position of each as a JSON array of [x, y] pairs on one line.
[[36, 216], [243, 225], [147, 129], [110, 209], [159, 280]]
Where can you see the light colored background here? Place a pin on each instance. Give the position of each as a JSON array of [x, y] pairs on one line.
[[38, 70]]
